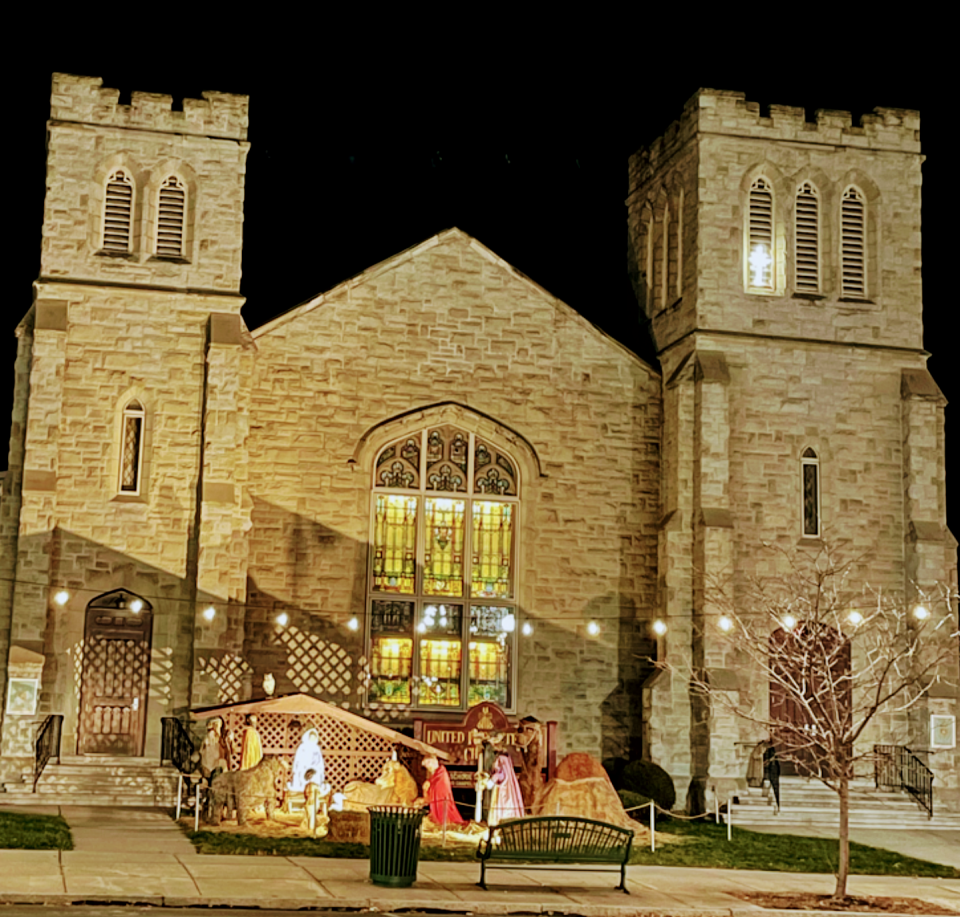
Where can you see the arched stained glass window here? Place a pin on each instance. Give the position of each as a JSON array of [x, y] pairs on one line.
[[442, 583], [810, 483], [131, 449]]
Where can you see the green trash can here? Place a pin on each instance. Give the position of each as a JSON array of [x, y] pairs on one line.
[[394, 845]]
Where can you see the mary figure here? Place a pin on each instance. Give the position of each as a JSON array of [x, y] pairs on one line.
[[308, 757]]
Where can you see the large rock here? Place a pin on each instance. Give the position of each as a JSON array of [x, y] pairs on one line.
[[582, 788]]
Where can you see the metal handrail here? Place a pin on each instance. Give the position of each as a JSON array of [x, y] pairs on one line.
[[176, 745], [897, 767], [47, 745]]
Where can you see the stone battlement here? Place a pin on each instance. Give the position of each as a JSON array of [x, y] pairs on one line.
[[84, 99], [718, 111]]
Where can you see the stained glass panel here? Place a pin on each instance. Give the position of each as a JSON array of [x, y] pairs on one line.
[[492, 567], [811, 500], [398, 465], [446, 468], [395, 544], [493, 472], [440, 666], [492, 631], [443, 547], [130, 470], [391, 665]]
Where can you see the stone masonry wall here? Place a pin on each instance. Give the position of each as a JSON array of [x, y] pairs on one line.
[[449, 322]]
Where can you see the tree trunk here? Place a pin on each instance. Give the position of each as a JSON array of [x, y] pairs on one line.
[[843, 867]]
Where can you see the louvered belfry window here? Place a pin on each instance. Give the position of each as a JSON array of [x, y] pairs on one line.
[[131, 453], [760, 244], [118, 212], [807, 239], [853, 244], [171, 213]]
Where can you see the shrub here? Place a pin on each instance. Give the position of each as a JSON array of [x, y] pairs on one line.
[[652, 781]]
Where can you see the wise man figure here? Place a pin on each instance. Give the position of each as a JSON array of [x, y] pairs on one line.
[[251, 748], [438, 794], [215, 750]]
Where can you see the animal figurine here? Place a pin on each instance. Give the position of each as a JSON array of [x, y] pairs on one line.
[[249, 789], [394, 787]]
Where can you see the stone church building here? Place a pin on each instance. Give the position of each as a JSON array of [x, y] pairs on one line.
[[436, 484]]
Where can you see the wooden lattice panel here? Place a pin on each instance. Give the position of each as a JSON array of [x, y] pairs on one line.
[[349, 753]]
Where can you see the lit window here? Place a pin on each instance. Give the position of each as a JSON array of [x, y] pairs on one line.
[[853, 244], [807, 239], [131, 451], [118, 212], [760, 260], [442, 585], [171, 214], [810, 482]]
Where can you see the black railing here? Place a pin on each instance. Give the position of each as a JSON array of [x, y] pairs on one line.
[[176, 746], [896, 767], [47, 745]]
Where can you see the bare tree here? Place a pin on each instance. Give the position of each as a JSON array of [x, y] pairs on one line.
[[837, 656]]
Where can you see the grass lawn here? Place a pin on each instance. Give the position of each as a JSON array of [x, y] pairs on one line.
[[693, 844], [34, 832]]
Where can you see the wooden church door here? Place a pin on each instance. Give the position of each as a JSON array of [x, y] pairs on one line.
[[116, 671]]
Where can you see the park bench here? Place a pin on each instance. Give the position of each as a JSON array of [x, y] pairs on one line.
[[556, 839]]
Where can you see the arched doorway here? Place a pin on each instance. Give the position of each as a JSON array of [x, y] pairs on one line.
[[116, 672], [810, 695]]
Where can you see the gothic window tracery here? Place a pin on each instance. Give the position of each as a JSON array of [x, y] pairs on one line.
[[442, 584]]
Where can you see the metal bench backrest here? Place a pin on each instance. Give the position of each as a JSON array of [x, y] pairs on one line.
[[556, 834]]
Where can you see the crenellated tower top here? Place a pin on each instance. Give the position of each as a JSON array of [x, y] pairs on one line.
[[84, 99]]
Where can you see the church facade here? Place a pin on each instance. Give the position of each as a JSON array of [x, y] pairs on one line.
[[436, 484]]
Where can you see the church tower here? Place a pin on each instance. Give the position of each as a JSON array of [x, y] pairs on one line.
[[777, 262], [127, 414]]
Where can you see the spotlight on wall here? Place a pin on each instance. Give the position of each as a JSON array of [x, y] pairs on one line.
[[209, 613], [283, 619], [659, 628], [353, 624], [136, 606], [593, 628], [527, 629], [789, 622], [725, 623], [855, 618], [921, 613], [62, 597]]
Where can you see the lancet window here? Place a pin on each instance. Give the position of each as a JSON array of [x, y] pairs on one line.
[[442, 583], [853, 244], [807, 239], [131, 450], [118, 212], [810, 498], [760, 252], [171, 217]]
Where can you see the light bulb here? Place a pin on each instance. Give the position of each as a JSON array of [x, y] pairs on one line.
[[209, 613], [527, 629], [62, 597], [855, 617], [725, 624], [659, 628], [789, 622], [593, 628], [921, 613], [353, 624], [136, 606], [282, 619]]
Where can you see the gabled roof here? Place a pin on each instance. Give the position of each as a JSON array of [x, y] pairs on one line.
[[447, 235], [303, 704]]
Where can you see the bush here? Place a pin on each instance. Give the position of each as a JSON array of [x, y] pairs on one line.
[[650, 780]]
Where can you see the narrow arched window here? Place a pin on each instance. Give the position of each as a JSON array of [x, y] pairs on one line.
[[810, 482], [118, 212], [442, 585], [807, 239], [853, 244], [131, 448], [171, 217], [665, 258], [678, 247], [760, 255]]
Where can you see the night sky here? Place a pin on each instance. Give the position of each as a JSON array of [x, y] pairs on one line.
[[357, 155]]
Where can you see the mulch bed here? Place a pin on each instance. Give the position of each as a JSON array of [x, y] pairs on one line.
[[868, 904]]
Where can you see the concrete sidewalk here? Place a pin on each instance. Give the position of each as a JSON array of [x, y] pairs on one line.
[[173, 880]]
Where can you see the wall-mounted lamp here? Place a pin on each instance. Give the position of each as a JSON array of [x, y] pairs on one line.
[[209, 613], [593, 628], [62, 597], [282, 619], [353, 624], [659, 628], [527, 629], [136, 606], [725, 624]]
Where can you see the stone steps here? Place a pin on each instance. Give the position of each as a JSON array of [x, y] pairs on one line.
[[120, 782], [808, 803]]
